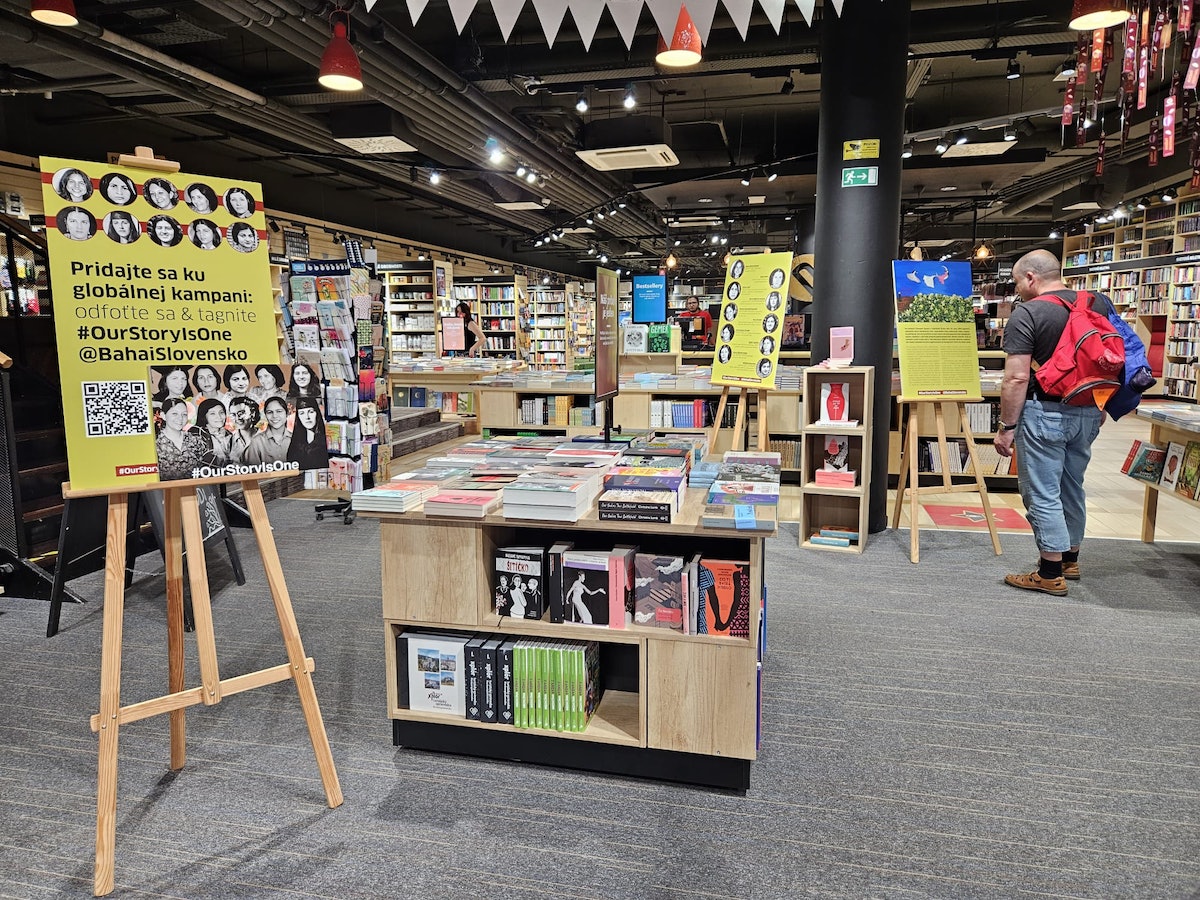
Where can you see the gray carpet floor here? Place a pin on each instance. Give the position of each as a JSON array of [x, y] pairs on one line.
[[928, 732]]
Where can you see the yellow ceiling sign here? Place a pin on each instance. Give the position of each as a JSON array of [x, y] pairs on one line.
[[867, 148]]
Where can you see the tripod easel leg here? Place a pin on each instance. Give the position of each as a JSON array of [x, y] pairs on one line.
[[173, 555], [291, 639], [110, 694], [979, 482], [206, 646]]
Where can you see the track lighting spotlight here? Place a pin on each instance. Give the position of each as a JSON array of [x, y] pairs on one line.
[[942, 145], [788, 85], [521, 171], [746, 179], [531, 176], [907, 152], [1169, 195], [590, 220], [773, 175], [960, 138], [435, 177], [1014, 70], [1055, 233], [494, 150], [630, 100], [591, 251], [1010, 133], [1143, 203], [581, 103], [603, 257]]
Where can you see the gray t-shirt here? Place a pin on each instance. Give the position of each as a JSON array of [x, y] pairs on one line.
[[1034, 327]]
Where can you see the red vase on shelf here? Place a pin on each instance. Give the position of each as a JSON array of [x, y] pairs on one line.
[[835, 403]]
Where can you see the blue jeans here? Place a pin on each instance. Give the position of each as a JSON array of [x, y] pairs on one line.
[[1054, 445]]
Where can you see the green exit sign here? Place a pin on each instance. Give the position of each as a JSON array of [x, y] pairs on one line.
[[860, 176]]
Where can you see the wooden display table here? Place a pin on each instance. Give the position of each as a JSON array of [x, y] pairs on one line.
[[1161, 433], [676, 707]]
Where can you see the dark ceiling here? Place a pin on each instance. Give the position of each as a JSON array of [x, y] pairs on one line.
[[229, 87]]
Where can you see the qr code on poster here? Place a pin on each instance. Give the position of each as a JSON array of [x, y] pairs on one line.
[[115, 408]]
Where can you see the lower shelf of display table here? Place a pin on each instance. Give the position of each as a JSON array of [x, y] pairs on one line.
[[830, 490], [852, 548], [616, 721]]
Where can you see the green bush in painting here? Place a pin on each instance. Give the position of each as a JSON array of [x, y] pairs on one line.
[[938, 308]]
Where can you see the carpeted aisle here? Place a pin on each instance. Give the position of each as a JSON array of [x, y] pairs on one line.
[[928, 732]]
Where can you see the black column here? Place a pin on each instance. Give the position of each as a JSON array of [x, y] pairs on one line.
[[864, 53]]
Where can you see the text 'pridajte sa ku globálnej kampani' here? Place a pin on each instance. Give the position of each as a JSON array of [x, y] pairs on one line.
[[104, 290]]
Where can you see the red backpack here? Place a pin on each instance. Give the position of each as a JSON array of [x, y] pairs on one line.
[[1088, 362]]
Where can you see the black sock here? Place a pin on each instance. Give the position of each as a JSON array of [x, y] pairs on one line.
[[1070, 556], [1049, 568]]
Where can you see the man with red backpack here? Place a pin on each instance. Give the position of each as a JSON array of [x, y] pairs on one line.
[[1053, 437]]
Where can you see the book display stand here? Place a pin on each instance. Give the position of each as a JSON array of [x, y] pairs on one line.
[[910, 467], [182, 526]]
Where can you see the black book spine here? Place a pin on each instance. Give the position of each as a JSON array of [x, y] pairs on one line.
[[554, 585], [402, 670], [645, 512], [504, 683], [474, 665], [487, 680]]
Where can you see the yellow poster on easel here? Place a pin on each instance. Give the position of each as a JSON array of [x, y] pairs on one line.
[[148, 268], [935, 330], [750, 327]]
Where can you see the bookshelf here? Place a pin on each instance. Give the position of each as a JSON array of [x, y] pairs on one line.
[[581, 299], [835, 506], [549, 344], [496, 302], [675, 707], [412, 305]]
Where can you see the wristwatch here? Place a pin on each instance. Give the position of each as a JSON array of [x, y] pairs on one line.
[[1004, 427]]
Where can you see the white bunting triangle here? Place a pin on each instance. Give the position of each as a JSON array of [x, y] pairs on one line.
[[586, 14], [666, 14], [806, 9], [626, 14], [739, 11], [702, 14], [550, 14], [370, 3], [837, 6], [507, 12], [774, 11], [461, 11], [415, 8]]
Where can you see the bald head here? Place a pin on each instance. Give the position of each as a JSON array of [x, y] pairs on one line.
[[1036, 273]]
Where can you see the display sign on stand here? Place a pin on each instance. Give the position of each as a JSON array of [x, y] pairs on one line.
[[935, 324], [454, 335], [750, 328], [149, 269]]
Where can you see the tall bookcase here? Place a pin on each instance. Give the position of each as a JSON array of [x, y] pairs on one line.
[[581, 299], [827, 505], [549, 343], [415, 294], [496, 301], [1149, 265]]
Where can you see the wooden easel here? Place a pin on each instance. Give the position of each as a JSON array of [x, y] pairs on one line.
[[740, 422], [909, 467], [182, 527]]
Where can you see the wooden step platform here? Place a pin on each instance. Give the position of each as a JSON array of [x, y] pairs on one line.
[[408, 418], [411, 441]]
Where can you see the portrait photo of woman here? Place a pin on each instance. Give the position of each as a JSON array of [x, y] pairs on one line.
[[75, 223], [777, 278], [72, 185], [237, 382], [735, 290], [117, 189], [774, 301], [770, 323], [724, 353], [271, 445], [207, 383], [175, 382], [205, 234], [244, 416], [243, 237], [164, 231], [122, 227], [727, 332], [270, 383], [239, 202], [210, 427], [179, 449], [737, 269], [308, 446], [766, 346], [201, 198], [303, 383], [160, 193]]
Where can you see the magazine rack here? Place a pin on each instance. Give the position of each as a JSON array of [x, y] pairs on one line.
[[910, 467], [182, 527]]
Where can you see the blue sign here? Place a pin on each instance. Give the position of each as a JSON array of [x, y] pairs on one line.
[[948, 278], [649, 299]]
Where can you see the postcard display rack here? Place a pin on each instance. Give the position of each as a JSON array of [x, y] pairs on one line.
[[675, 707], [330, 310]]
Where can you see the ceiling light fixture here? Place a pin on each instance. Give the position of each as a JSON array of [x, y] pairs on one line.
[[1088, 15], [581, 104], [1143, 203], [1010, 133], [589, 219], [685, 47], [788, 85], [55, 12], [942, 145], [521, 171], [983, 251], [1014, 70], [960, 138], [772, 176], [1066, 70], [630, 100], [531, 176], [671, 262], [1055, 233], [435, 177], [1168, 195], [746, 179], [603, 257], [340, 68], [907, 152]]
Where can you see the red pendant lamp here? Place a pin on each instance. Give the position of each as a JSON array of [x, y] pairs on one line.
[[340, 69], [54, 12], [685, 43], [1088, 15]]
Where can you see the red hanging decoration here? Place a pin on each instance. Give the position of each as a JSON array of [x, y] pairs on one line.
[[1108, 45], [1097, 59], [1155, 43], [1185, 15], [1080, 130], [1155, 135], [1129, 58], [1193, 69], [1126, 114], [1143, 76], [1098, 93], [1100, 153], [1068, 111], [1168, 124]]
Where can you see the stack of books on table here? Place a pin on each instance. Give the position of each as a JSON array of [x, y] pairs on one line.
[[393, 496], [550, 494], [648, 489], [745, 494], [471, 504], [703, 474], [835, 470]]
